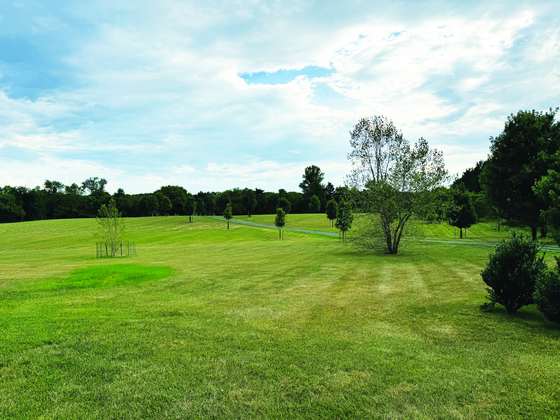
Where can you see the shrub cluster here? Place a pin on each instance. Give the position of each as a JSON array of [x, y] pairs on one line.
[[516, 276]]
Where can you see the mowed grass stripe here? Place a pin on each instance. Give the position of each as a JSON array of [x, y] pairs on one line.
[[250, 326]]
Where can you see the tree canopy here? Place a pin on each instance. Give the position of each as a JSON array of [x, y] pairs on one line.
[[312, 174], [520, 156], [392, 181]]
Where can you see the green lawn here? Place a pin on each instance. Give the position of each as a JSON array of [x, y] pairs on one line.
[[206, 322]]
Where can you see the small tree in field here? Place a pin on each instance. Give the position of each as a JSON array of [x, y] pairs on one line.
[[331, 211], [280, 220], [110, 226], [228, 214], [461, 213], [344, 218], [190, 206], [315, 204], [547, 293]]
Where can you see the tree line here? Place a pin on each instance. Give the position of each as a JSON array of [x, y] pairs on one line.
[[58, 201]]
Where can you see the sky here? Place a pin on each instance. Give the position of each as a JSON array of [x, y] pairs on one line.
[[213, 95]]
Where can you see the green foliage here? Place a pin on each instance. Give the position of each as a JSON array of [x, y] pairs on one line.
[[511, 272], [470, 179], [344, 217], [228, 214], [547, 293], [10, 211], [331, 210], [461, 214], [314, 204], [521, 154], [280, 220], [110, 226], [190, 206], [391, 180], [250, 200], [312, 174], [548, 190], [164, 203], [284, 204]]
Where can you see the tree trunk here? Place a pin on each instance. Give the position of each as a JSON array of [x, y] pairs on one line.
[[544, 229], [534, 232], [460, 233], [228, 224]]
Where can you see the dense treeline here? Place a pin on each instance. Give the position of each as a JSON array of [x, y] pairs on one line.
[[58, 201]]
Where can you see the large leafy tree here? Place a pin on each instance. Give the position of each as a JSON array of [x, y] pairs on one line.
[[520, 156], [177, 195], [312, 174], [392, 181]]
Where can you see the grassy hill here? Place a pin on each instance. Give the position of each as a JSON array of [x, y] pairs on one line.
[[206, 322]]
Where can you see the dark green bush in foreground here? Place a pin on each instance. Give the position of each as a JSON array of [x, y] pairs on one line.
[[547, 293], [512, 271]]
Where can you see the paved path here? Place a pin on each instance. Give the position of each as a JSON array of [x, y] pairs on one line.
[[318, 232], [243, 222]]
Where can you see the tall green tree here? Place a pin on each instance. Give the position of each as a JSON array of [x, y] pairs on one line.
[[391, 180], [314, 204], [284, 204], [461, 213], [331, 211], [250, 200], [548, 190], [520, 156], [344, 218], [311, 174], [228, 214]]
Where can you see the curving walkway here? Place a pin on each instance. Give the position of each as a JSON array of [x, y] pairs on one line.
[[318, 232]]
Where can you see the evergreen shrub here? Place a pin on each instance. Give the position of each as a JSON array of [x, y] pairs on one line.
[[547, 293], [512, 271]]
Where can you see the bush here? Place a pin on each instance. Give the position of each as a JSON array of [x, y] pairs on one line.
[[547, 293], [512, 271]]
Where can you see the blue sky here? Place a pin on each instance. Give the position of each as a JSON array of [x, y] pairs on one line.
[[216, 95]]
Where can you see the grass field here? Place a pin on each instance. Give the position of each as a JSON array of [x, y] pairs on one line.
[[207, 322]]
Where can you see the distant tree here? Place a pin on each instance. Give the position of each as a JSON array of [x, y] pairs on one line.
[[471, 178], [521, 155], [331, 211], [340, 193], [311, 174], [314, 204], [329, 191], [548, 190], [209, 203], [461, 213], [344, 218], [284, 204], [200, 209], [149, 205], [111, 228], [53, 187], [10, 211], [250, 200], [280, 221], [222, 201], [228, 214], [94, 184], [177, 195], [164, 203], [190, 206]]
